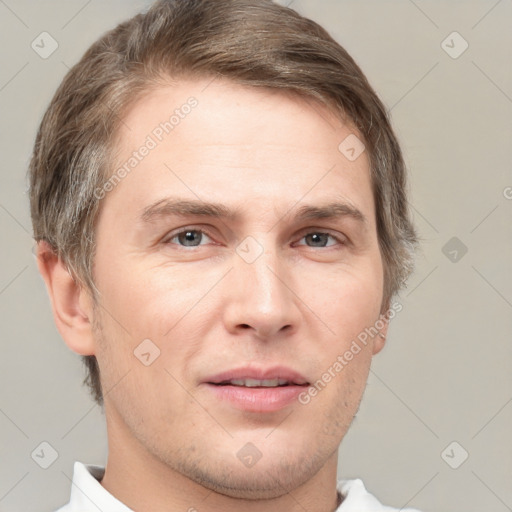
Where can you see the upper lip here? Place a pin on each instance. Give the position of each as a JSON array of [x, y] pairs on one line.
[[251, 372]]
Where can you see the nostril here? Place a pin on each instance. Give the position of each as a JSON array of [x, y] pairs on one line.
[[245, 326]]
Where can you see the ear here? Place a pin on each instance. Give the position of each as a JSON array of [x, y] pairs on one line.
[[380, 340], [71, 304]]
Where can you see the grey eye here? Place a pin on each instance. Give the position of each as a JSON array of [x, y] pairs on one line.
[[318, 239], [188, 238]]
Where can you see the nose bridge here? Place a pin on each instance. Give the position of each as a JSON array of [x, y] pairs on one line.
[[259, 271], [261, 297]]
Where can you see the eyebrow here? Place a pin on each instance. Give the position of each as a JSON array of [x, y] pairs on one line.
[[183, 208]]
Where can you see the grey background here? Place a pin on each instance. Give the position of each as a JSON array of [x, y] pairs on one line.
[[445, 374]]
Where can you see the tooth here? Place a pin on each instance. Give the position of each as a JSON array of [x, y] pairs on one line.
[[271, 383], [252, 383]]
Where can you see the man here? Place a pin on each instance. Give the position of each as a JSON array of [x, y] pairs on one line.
[[220, 209]]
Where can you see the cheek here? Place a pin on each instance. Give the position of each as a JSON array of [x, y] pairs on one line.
[[146, 301], [137, 377], [347, 300], [164, 305]]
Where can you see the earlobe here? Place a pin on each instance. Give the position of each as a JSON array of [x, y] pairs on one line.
[[380, 340], [71, 304]]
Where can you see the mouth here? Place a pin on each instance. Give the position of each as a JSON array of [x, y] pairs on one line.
[[258, 391], [258, 383]]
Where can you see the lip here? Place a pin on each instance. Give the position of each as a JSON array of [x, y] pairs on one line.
[[257, 399]]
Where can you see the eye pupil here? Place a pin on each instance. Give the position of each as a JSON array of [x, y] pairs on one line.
[[189, 236], [318, 239]]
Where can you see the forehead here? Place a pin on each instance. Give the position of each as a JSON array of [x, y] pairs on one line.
[[242, 146]]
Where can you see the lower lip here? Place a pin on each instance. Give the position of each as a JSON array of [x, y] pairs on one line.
[[258, 399]]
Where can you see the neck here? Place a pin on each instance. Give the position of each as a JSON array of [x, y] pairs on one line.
[[143, 482]]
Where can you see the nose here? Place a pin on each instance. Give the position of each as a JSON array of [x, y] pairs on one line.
[[261, 298]]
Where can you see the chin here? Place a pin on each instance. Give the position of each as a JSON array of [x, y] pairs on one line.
[[256, 483], [273, 475]]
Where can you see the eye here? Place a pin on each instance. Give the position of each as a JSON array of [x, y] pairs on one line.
[[191, 237], [320, 239], [187, 238]]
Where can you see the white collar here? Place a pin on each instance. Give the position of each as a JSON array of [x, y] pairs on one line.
[[357, 498], [88, 494]]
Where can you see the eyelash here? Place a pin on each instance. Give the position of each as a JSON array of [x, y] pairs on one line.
[[175, 234]]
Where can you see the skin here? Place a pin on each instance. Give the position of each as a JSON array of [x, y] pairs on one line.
[[172, 444]]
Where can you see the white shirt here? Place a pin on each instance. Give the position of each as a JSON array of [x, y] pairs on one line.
[[87, 494]]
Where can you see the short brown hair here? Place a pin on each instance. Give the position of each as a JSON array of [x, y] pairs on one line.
[[251, 42]]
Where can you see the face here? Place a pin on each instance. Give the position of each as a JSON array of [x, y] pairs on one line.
[[237, 262]]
